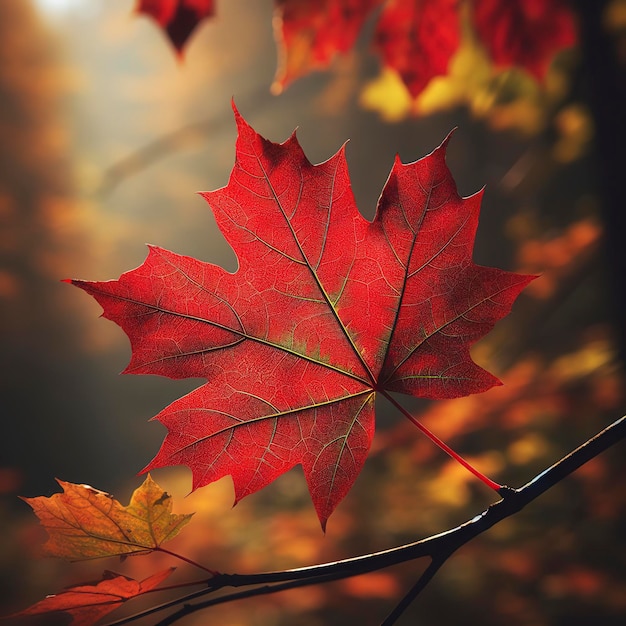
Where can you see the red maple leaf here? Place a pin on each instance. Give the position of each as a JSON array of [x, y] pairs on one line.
[[178, 18], [524, 32], [90, 602], [326, 310], [310, 33], [417, 38]]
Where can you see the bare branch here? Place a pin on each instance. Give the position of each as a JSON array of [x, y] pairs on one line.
[[181, 139], [439, 547], [416, 589]]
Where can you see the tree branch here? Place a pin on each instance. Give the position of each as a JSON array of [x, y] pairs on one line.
[[416, 589], [168, 144], [439, 547]]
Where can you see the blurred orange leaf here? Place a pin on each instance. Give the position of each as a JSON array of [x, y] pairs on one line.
[[85, 523], [374, 585], [89, 603]]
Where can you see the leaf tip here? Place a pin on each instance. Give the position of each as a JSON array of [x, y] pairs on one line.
[[444, 143], [239, 119], [64, 484], [148, 467], [154, 248]]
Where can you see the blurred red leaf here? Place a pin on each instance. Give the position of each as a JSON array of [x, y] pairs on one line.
[[88, 603], [416, 38], [178, 18], [526, 33], [85, 523], [325, 310]]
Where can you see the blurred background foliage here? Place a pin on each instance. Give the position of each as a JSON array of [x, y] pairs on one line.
[[105, 136]]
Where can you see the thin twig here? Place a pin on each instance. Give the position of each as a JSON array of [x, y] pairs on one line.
[[170, 143], [416, 589], [161, 607], [248, 593]]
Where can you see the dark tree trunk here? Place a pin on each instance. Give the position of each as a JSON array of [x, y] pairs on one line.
[[604, 73]]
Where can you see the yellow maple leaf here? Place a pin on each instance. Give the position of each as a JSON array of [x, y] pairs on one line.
[[85, 523]]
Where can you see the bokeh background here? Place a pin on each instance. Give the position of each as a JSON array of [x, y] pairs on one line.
[[105, 137]]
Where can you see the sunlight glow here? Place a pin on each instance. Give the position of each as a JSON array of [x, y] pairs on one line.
[[56, 7]]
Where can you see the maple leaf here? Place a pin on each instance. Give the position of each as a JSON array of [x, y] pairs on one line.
[[417, 39], [85, 523], [88, 603], [524, 32], [309, 33], [178, 18], [325, 310]]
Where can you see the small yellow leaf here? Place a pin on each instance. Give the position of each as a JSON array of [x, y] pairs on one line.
[[85, 523]]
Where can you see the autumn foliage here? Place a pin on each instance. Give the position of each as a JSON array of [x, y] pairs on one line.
[[326, 313], [415, 38], [85, 523]]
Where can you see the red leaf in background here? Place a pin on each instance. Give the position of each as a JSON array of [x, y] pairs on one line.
[[417, 38], [309, 33], [524, 32], [325, 310], [178, 18], [89, 603]]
